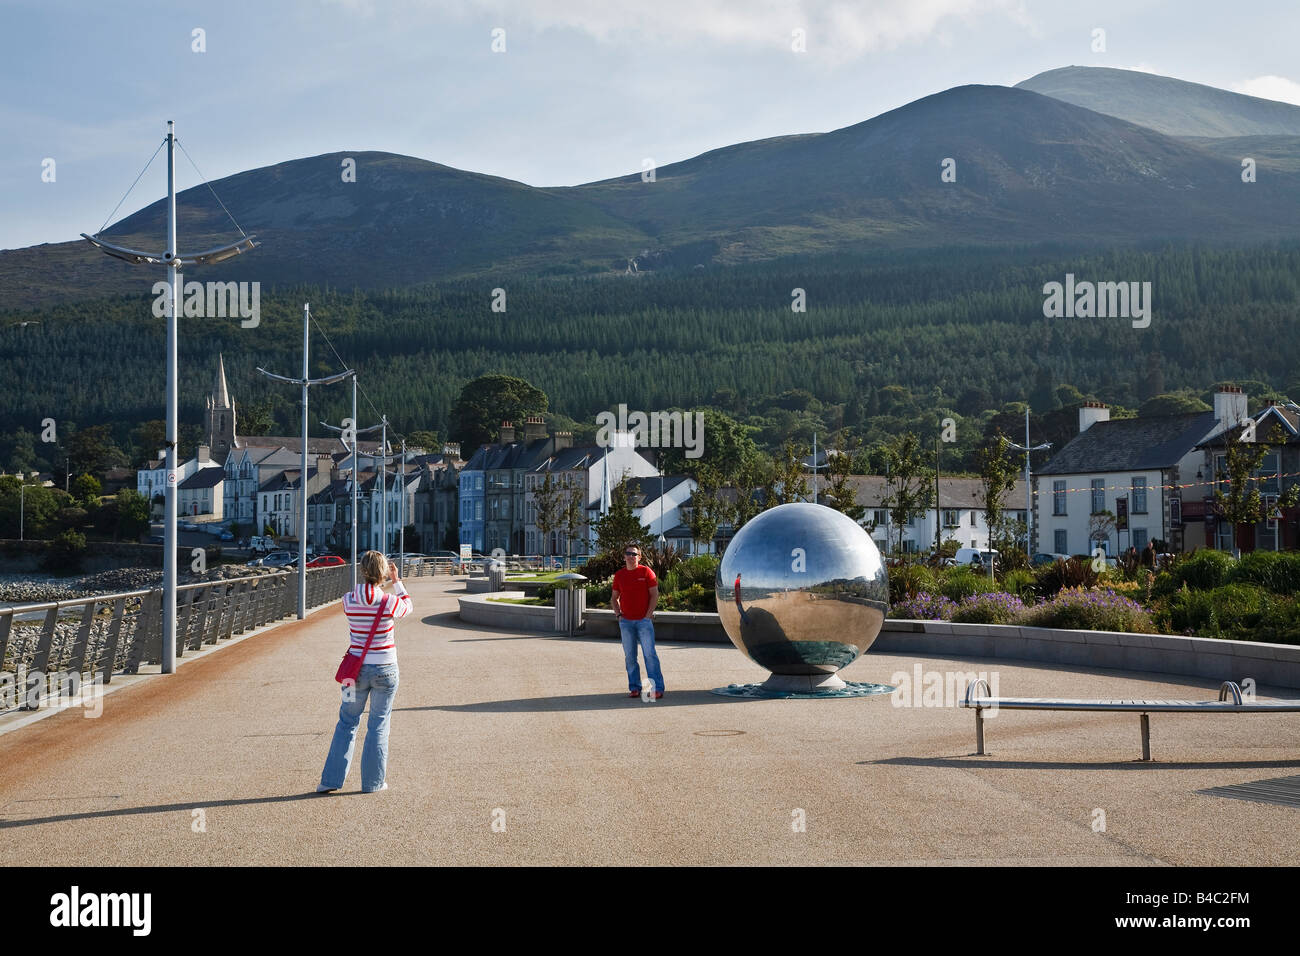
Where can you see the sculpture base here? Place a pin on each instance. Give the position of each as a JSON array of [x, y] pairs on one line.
[[779, 686]]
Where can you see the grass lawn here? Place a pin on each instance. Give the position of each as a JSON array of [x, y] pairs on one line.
[[520, 601]]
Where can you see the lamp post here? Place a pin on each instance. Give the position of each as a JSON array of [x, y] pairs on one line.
[[1029, 510], [401, 511], [22, 503], [356, 433], [305, 383], [171, 258], [382, 458]]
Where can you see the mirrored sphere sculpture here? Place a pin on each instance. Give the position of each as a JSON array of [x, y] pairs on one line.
[[802, 590]]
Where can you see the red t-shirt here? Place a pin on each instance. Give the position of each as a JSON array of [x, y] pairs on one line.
[[633, 589]]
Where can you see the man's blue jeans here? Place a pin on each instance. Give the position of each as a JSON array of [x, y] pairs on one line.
[[643, 632], [379, 682]]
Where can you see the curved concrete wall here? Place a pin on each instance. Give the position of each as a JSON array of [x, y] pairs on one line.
[[1273, 664]]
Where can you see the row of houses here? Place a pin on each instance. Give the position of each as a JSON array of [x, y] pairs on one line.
[[1119, 483]]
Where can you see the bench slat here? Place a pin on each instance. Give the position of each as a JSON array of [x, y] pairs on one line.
[[1189, 706]]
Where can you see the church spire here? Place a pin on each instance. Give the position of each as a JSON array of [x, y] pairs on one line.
[[220, 394]]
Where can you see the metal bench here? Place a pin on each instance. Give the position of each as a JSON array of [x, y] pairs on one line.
[[1224, 705]]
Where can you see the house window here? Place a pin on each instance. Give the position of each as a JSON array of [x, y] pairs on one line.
[[1139, 538], [1060, 541], [1139, 502], [1098, 495], [951, 518], [1268, 474], [1058, 499], [880, 517], [1175, 512]]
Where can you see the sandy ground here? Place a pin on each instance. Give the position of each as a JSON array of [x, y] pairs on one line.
[[524, 749]]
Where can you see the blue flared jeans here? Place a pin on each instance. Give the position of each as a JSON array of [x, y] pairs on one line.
[[379, 683], [640, 632]]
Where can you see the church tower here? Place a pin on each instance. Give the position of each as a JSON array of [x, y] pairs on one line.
[[221, 417]]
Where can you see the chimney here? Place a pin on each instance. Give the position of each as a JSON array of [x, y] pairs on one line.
[[451, 449], [563, 440], [507, 434], [1229, 405], [203, 453], [1092, 412], [534, 428]]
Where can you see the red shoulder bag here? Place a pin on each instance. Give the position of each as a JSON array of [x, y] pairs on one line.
[[350, 666]]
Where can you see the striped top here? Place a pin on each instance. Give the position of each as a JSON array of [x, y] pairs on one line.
[[360, 606]]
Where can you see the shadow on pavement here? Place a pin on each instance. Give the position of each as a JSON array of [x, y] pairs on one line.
[[171, 808], [580, 702], [975, 762]]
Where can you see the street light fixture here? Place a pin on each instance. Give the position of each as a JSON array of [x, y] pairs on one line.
[[172, 259], [356, 433], [1029, 494], [304, 382]]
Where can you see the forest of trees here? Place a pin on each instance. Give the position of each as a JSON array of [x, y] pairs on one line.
[[889, 343]]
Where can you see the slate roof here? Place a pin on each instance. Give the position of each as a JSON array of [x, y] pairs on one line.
[[1132, 444], [204, 478], [648, 488], [870, 490]]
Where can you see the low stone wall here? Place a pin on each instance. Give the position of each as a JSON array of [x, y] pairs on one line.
[[1277, 665], [1274, 664], [478, 609]]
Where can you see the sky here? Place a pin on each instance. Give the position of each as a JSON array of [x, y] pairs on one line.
[[575, 91]]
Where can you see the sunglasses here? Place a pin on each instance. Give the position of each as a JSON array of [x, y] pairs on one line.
[[631, 554]]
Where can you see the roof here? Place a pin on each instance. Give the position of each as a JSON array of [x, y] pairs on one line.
[[1267, 419], [315, 446], [286, 480], [647, 489], [871, 490], [1132, 444], [204, 478]]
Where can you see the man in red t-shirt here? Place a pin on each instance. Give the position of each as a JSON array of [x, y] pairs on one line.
[[635, 594]]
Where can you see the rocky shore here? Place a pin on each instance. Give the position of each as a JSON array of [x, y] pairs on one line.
[[36, 588]]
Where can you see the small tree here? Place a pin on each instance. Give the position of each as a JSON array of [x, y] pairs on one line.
[[708, 509], [997, 478], [787, 481], [86, 490], [573, 518], [549, 501], [751, 484], [1100, 527], [1241, 504], [620, 525], [840, 493], [909, 482]]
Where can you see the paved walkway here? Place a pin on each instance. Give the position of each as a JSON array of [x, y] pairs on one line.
[[217, 764]]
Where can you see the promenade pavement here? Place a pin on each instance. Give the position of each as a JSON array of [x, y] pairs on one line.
[[516, 748]]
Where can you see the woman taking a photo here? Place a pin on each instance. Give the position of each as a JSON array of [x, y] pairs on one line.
[[371, 614]]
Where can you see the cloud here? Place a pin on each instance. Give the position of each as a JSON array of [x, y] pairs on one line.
[[1270, 88], [840, 28]]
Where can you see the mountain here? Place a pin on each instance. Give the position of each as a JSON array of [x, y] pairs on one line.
[[403, 221], [1029, 168], [1166, 105]]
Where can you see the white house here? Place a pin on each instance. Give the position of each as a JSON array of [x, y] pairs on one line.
[[959, 515], [1148, 473]]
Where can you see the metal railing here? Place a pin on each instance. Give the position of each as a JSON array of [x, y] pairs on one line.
[[95, 637]]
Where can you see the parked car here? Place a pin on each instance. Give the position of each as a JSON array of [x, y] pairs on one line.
[[976, 557], [227, 536], [279, 559], [325, 561], [261, 544], [1047, 557], [189, 526]]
